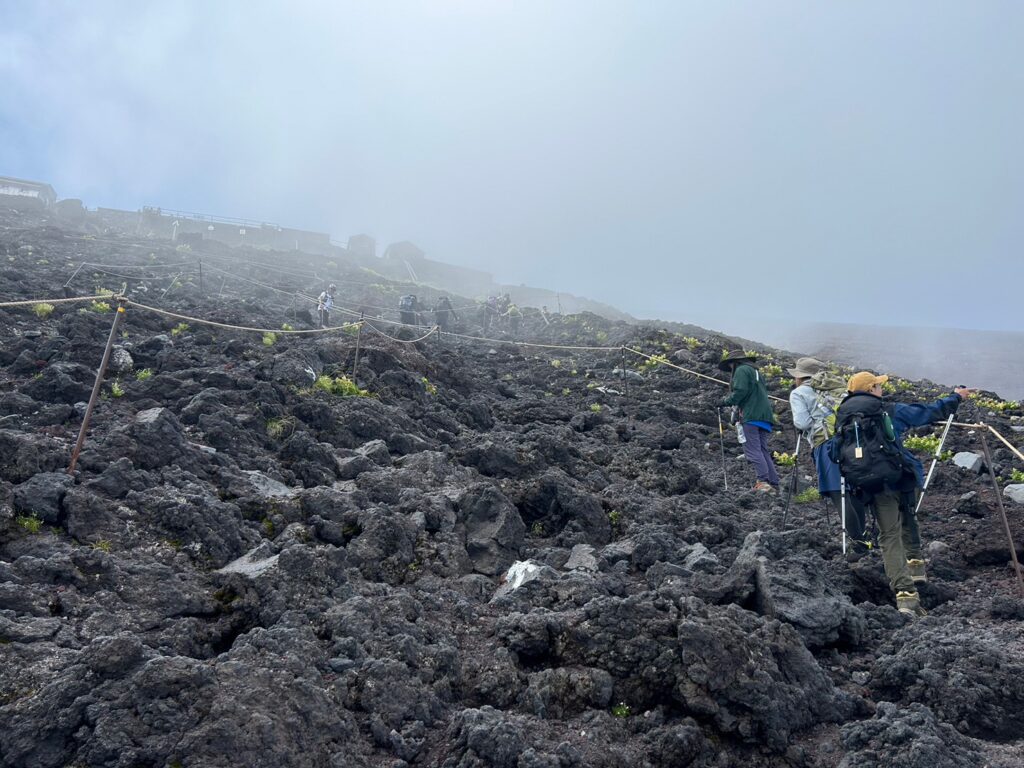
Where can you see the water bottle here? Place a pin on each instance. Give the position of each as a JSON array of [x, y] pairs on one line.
[[742, 438]]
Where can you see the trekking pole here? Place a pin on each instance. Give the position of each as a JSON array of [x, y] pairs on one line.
[[842, 508], [1002, 511], [793, 482], [721, 437], [931, 469], [118, 317]]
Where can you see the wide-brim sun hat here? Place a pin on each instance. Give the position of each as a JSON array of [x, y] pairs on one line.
[[806, 367], [736, 356]]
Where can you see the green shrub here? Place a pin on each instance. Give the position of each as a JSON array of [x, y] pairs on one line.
[[278, 427], [179, 329], [43, 310], [771, 370], [1016, 476], [269, 338], [784, 459], [622, 709], [30, 523], [923, 444], [341, 386], [144, 374], [596, 407], [286, 327], [430, 388], [995, 405], [806, 497], [103, 545], [99, 307], [652, 362], [556, 363], [691, 342], [116, 390]]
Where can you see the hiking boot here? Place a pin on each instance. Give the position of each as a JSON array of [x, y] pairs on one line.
[[855, 553], [764, 487], [917, 573], [910, 604]]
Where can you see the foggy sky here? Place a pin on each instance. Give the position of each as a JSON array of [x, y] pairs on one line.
[[726, 163]]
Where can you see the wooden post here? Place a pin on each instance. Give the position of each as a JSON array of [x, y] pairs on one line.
[[359, 336], [201, 290], [1002, 511], [118, 316]]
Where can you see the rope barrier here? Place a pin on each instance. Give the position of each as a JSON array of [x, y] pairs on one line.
[[53, 301], [694, 373], [990, 428], [403, 341], [365, 323], [229, 326]]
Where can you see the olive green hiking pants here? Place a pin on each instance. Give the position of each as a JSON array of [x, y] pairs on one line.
[[891, 534]]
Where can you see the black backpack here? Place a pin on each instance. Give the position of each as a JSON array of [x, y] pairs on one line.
[[866, 450]]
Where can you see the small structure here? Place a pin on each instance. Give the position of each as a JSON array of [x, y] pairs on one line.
[[362, 246], [404, 251], [17, 192]]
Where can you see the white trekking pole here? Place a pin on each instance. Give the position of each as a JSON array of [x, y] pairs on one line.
[[842, 508], [931, 469]]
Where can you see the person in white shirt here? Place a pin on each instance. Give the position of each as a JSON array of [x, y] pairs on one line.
[[325, 303]]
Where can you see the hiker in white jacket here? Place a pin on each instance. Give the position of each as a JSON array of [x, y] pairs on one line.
[[325, 303], [813, 403]]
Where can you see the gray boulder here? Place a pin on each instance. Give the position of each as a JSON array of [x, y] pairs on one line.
[[42, 496], [1015, 493], [494, 529], [972, 462]]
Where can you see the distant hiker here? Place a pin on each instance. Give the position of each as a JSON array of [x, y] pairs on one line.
[[488, 311], [325, 303], [407, 309], [868, 447], [751, 395], [444, 313], [514, 317], [814, 401]]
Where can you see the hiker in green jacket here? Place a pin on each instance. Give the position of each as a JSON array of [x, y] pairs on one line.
[[751, 395]]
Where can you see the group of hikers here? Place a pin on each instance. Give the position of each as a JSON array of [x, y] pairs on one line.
[[855, 436], [856, 440], [497, 311]]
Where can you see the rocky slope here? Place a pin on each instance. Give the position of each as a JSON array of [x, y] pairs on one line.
[[247, 570]]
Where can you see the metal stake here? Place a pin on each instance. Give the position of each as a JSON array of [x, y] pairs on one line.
[[201, 290], [118, 316], [1002, 511]]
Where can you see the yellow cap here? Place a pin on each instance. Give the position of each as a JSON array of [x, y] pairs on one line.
[[864, 381]]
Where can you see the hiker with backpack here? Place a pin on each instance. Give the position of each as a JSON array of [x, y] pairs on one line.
[[750, 394], [814, 401], [407, 307], [444, 313], [325, 303], [868, 446]]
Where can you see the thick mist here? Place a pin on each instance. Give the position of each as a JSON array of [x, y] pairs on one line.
[[727, 164]]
